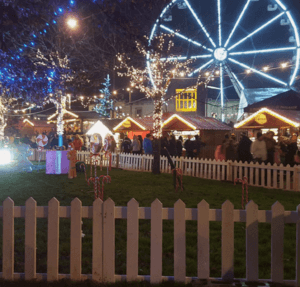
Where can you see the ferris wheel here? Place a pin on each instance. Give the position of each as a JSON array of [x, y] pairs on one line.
[[235, 44]]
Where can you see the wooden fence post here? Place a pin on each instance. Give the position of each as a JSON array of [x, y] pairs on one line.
[[229, 170], [97, 269], [75, 254], [132, 240], [251, 241], [53, 239], [203, 239], [30, 239], [109, 241], [179, 242], [227, 241], [156, 242], [8, 239], [277, 235]]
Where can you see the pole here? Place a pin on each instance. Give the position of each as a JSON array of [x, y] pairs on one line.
[[130, 104]]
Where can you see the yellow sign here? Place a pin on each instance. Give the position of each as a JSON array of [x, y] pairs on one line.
[[127, 124], [261, 119]]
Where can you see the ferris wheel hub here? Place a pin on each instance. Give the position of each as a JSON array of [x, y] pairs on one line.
[[220, 54]]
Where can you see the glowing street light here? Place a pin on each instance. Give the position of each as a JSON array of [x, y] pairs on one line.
[[72, 23], [114, 92], [217, 72], [207, 74]]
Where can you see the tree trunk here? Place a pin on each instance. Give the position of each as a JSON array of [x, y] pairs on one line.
[[2, 120], [61, 106], [157, 134]]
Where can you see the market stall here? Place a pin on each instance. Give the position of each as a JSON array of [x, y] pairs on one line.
[[281, 122]]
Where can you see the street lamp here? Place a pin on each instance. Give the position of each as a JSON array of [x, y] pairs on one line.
[[72, 23]]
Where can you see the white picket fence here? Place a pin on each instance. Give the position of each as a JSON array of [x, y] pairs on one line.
[[103, 215], [268, 176]]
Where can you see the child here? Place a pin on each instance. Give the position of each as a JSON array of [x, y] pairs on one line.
[[71, 155], [297, 157]]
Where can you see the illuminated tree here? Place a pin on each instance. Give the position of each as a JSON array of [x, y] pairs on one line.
[[105, 104], [164, 67]]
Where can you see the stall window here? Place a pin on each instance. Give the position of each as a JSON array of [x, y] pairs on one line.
[[186, 100]]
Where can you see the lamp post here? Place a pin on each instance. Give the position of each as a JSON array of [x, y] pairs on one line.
[[130, 102]]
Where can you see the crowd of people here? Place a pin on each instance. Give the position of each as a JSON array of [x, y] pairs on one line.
[[169, 144], [263, 149]]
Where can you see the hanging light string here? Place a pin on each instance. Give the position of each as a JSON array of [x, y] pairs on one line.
[[160, 73]]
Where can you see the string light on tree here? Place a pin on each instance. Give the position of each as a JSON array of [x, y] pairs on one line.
[[162, 72]]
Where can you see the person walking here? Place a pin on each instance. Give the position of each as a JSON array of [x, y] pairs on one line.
[[189, 147], [270, 144], [259, 148], [179, 146], [113, 144], [231, 148], [220, 152], [126, 145], [198, 144], [172, 146], [291, 151], [243, 149], [141, 143], [147, 144], [136, 146], [77, 143]]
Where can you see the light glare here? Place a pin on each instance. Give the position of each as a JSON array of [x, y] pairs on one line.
[[5, 156]]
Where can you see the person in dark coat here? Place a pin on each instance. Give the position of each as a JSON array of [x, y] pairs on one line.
[[172, 146], [126, 145], [179, 146], [292, 148], [141, 142], [243, 150], [189, 147], [198, 144], [164, 144]]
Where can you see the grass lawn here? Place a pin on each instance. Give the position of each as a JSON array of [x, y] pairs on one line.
[[145, 188]]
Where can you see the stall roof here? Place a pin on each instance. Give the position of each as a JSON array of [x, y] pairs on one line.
[[288, 100], [291, 118], [172, 122]]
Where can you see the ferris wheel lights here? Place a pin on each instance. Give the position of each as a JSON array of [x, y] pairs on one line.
[[284, 65], [257, 72], [181, 74], [280, 4], [199, 22], [207, 74], [295, 28], [217, 72], [237, 22], [248, 71], [256, 31], [265, 69]]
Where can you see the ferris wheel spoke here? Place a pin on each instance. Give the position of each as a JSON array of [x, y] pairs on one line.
[[263, 51], [219, 23], [200, 23], [234, 80], [256, 31], [258, 72], [185, 58], [222, 91], [201, 56], [200, 68], [185, 38], [237, 22], [296, 68]]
